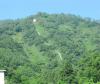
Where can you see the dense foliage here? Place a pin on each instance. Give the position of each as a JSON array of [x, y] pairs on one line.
[[54, 49]]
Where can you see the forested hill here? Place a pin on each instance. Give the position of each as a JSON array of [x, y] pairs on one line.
[[50, 49]]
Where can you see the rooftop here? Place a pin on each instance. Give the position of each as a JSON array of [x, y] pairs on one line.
[[2, 70]]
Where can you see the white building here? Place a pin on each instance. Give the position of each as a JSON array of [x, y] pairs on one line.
[[2, 76], [34, 20]]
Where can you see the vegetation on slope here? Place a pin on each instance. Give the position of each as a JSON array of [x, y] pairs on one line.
[[56, 49]]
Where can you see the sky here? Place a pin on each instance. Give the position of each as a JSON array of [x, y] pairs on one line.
[[13, 9]]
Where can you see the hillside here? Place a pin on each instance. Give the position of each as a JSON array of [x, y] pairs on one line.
[[54, 49]]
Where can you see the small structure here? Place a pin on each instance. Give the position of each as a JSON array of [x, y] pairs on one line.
[[2, 76], [34, 20]]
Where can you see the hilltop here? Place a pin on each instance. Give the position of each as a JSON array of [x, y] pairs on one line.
[[50, 49]]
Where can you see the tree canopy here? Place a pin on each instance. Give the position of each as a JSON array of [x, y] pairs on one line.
[[56, 49]]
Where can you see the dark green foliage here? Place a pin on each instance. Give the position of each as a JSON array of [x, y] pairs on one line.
[[57, 49]]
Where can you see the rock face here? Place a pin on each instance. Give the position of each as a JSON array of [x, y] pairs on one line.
[[2, 76]]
